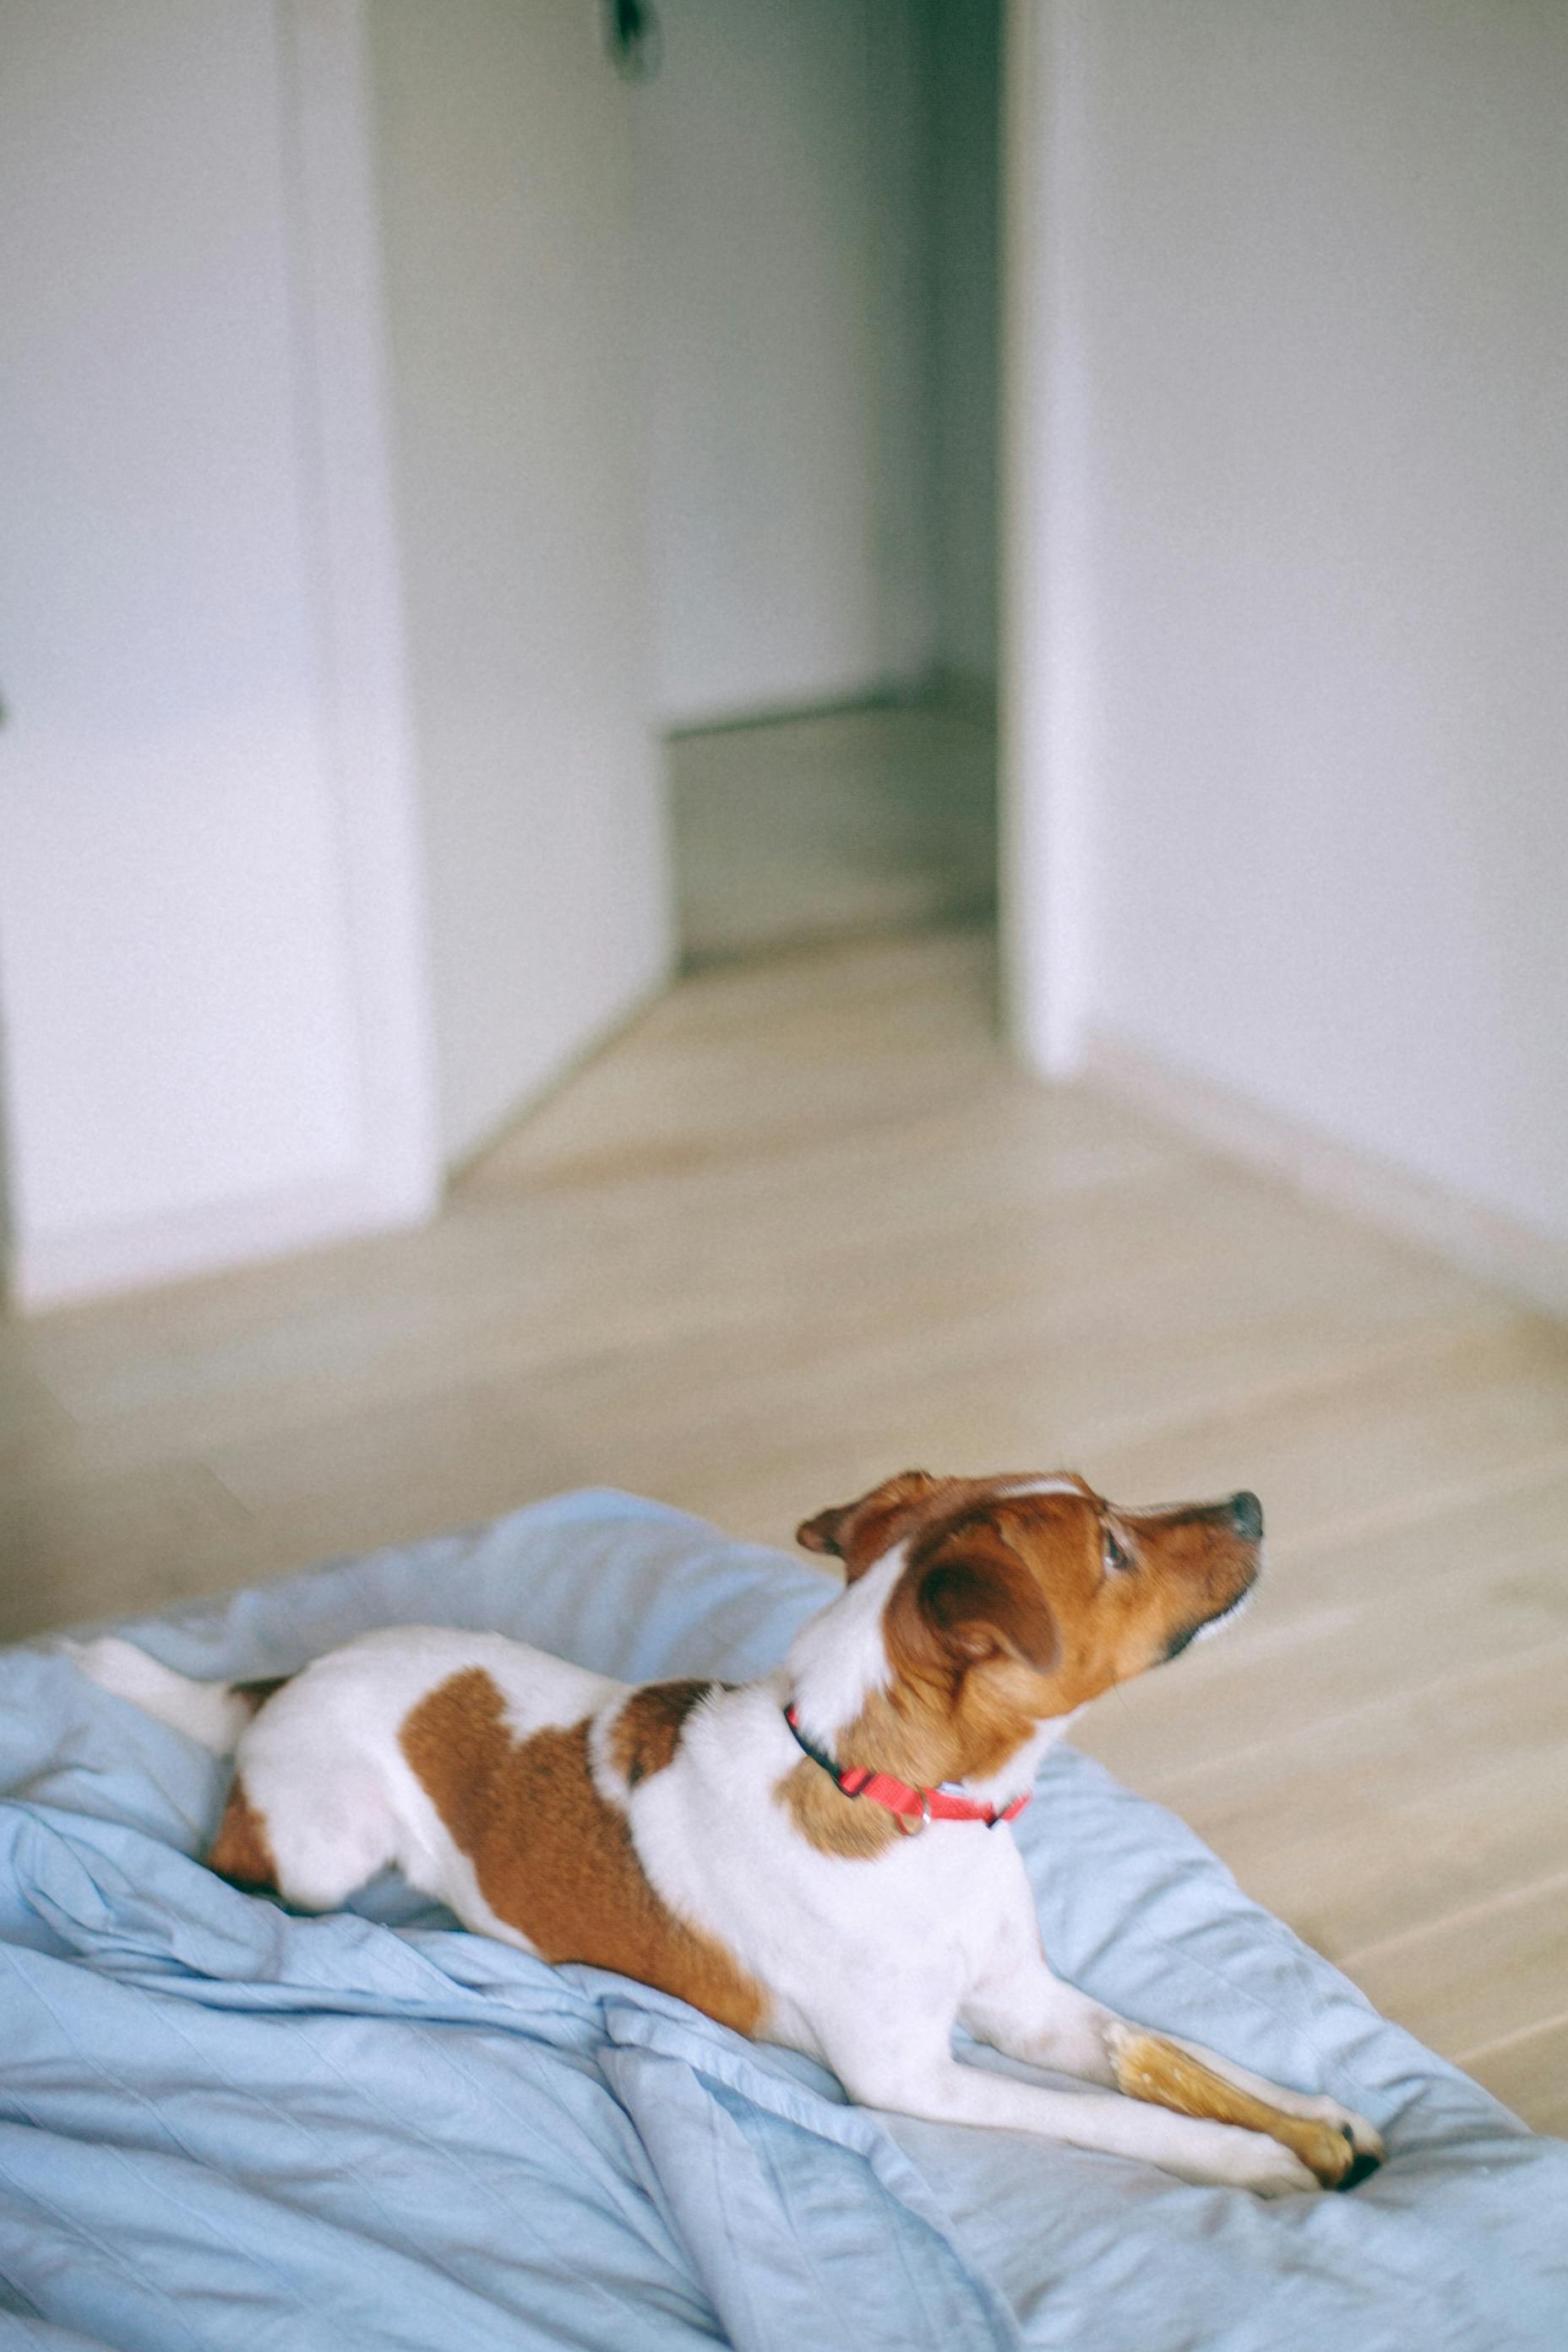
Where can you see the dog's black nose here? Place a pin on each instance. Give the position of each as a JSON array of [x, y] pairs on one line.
[[1246, 1516]]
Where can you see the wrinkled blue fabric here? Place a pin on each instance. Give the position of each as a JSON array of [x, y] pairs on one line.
[[223, 2126]]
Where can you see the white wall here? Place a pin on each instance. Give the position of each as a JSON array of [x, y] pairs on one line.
[[781, 155], [503, 150], [194, 1068], [1298, 381], [323, 610]]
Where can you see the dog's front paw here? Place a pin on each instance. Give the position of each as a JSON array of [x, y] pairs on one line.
[[1365, 2140], [1223, 2156], [1264, 2164]]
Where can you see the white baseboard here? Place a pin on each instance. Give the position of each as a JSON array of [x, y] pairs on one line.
[[54, 1269], [1516, 1258]]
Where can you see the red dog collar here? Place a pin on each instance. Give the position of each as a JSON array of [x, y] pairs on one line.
[[917, 1806]]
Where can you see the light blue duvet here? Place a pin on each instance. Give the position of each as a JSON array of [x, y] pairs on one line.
[[221, 2125]]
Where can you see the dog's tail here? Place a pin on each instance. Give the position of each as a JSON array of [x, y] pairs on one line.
[[214, 1712]]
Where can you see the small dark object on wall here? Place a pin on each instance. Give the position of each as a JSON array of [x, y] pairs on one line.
[[635, 38]]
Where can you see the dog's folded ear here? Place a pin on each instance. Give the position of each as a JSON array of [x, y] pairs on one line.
[[978, 1603], [861, 1531], [821, 1534]]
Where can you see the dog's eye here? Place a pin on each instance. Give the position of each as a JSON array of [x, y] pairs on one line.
[[1115, 1555]]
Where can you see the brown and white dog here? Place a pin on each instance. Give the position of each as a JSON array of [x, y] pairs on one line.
[[819, 1858]]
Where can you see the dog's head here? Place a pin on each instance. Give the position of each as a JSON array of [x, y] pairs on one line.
[[1036, 1585]]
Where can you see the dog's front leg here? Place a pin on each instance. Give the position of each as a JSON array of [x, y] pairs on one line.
[[1020, 2007], [902, 2065], [1342, 2146]]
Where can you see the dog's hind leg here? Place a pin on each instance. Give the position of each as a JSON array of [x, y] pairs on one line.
[[313, 1846]]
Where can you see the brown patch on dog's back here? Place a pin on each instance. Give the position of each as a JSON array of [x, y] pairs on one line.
[[552, 1858], [242, 1851], [647, 1732]]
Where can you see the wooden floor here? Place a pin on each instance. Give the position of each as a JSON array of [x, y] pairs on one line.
[[803, 1226]]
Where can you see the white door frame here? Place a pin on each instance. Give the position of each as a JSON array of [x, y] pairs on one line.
[[1043, 784], [390, 1175], [365, 687]]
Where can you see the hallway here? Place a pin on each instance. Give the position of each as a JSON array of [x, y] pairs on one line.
[[835, 824]]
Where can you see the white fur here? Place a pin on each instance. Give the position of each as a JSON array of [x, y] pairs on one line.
[[839, 1656], [1242, 1602], [207, 1712], [868, 1965]]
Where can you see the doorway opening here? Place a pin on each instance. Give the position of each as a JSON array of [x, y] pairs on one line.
[[822, 252]]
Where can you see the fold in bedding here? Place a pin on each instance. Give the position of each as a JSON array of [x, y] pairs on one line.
[[224, 2126]]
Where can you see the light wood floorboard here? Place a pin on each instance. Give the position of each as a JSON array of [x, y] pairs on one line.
[[804, 1225]]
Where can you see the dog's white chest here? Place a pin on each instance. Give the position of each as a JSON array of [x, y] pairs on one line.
[[916, 1926]]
